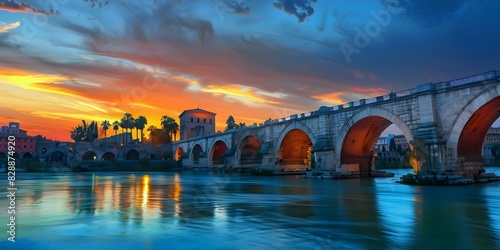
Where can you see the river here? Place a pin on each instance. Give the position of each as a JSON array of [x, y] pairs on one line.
[[204, 210]]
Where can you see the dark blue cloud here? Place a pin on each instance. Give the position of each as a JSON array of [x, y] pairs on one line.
[[426, 12], [302, 9], [237, 7]]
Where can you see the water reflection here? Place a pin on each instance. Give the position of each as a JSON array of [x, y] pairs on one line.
[[202, 210]]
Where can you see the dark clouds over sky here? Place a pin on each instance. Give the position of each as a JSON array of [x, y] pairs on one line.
[[251, 59]]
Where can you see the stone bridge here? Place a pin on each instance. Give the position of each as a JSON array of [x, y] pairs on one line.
[[64, 153], [445, 123]]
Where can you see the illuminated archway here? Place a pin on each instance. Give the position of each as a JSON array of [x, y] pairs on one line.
[[89, 156], [108, 156], [178, 153], [470, 124], [132, 155], [249, 151], [217, 152], [295, 148], [359, 135], [470, 142], [196, 154]]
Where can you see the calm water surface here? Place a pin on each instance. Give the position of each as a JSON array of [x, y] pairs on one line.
[[202, 210]]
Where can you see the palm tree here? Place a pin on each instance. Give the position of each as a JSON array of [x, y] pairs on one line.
[[152, 130], [140, 123], [122, 127], [77, 133], [127, 122], [175, 129], [85, 132], [116, 126], [169, 125], [105, 125]]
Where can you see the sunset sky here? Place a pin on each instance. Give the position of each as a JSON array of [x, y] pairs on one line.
[[254, 59]]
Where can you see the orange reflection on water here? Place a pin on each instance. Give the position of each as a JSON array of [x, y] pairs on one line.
[[176, 194], [145, 191]]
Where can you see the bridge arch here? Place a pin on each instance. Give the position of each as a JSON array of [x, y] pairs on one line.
[[178, 153], [89, 156], [248, 150], [195, 154], [357, 138], [108, 156], [217, 151], [295, 145], [132, 155], [466, 137], [57, 156]]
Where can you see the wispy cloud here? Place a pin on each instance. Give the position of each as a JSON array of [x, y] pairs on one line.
[[21, 6], [353, 94], [248, 95], [5, 27]]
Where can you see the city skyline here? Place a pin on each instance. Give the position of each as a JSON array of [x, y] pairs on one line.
[[254, 60]]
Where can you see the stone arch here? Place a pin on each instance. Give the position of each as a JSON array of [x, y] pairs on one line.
[[27, 155], [178, 153], [472, 124], [217, 151], [108, 156], [361, 131], [132, 155], [300, 126], [248, 150], [195, 153], [57, 156], [298, 151], [89, 156], [16, 155]]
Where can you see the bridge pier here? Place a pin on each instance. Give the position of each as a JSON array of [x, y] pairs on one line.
[[469, 167]]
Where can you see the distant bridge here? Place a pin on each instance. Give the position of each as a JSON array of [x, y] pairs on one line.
[[449, 119]]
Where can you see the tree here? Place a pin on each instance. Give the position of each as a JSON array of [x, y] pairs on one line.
[[85, 132], [140, 123], [495, 151], [77, 133], [231, 123], [400, 150], [122, 126], [127, 122], [392, 145], [105, 126], [169, 125], [116, 126], [152, 132]]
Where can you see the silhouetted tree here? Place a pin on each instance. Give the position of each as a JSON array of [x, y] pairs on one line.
[[231, 123], [140, 123], [105, 126], [169, 125], [85, 132], [392, 145]]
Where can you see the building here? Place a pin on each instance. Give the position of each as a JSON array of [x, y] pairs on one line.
[[384, 142], [196, 122], [492, 137], [25, 145]]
